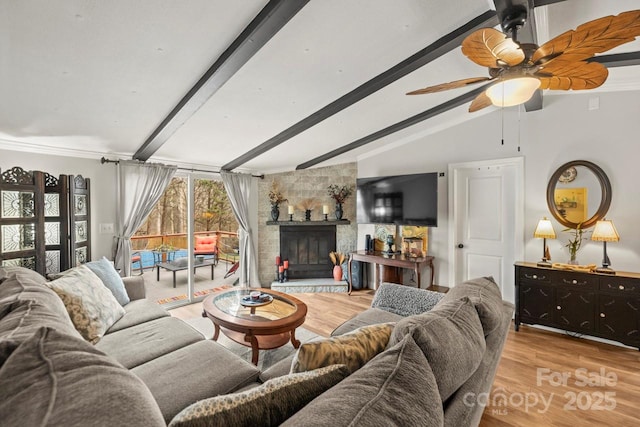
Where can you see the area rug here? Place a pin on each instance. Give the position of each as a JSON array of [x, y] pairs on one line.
[[195, 294], [266, 357]]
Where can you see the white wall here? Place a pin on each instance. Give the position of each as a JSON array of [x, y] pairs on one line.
[[563, 130], [103, 180]]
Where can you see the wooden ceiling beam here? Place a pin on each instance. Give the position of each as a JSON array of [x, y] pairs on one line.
[[271, 19], [435, 50], [446, 106]]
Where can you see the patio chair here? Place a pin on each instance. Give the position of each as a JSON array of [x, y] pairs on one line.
[[206, 245], [136, 257]]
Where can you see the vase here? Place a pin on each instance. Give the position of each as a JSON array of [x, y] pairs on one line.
[[275, 212], [307, 215], [573, 261], [339, 211], [337, 273]]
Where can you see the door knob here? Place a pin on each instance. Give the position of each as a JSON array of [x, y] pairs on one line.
[[460, 246]]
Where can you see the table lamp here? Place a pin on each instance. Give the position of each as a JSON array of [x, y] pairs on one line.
[[604, 232], [544, 231]]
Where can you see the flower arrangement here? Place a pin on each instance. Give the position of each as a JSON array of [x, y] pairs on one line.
[[337, 258], [308, 204], [165, 247], [575, 241], [339, 194], [275, 196]]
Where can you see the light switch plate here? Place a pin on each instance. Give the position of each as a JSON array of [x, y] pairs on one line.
[[106, 229]]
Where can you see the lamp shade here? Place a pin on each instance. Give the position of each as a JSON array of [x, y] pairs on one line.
[[544, 230], [605, 231], [512, 91]]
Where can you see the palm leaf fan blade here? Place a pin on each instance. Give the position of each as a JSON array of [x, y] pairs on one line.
[[481, 101], [592, 37], [451, 85], [569, 75], [489, 48]]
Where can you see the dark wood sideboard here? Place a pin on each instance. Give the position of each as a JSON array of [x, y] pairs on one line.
[[600, 305]]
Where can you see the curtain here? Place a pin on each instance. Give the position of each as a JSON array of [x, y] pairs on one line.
[[139, 187], [238, 187]]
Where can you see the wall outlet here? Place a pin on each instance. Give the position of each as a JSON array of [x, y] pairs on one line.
[[106, 229]]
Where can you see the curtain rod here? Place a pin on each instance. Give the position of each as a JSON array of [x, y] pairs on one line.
[[105, 160]]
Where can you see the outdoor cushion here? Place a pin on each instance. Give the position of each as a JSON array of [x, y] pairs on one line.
[[104, 269], [195, 372], [452, 340], [27, 304], [267, 405], [137, 312], [141, 343], [353, 349], [55, 379], [91, 306], [396, 388]]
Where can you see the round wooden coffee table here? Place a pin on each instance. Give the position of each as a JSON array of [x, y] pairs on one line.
[[262, 327]]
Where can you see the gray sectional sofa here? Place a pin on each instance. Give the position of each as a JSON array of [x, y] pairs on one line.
[[149, 366]]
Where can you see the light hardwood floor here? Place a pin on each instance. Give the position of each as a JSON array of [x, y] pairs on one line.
[[542, 375]]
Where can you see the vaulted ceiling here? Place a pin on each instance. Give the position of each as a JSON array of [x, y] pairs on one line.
[[250, 85]]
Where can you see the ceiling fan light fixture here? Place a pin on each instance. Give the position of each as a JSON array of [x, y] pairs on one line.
[[513, 91]]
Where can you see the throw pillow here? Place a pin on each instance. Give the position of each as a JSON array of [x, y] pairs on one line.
[[267, 405], [104, 269], [353, 349], [452, 340], [91, 306], [55, 379], [404, 300], [396, 388]]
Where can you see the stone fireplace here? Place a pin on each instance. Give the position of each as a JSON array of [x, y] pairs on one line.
[[307, 248]]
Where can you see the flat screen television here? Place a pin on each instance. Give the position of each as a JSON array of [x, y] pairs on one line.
[[399, 199]]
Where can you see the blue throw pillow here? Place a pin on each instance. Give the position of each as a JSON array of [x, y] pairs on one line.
[[111, 279]]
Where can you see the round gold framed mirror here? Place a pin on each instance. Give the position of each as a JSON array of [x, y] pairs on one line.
[[579, 194]]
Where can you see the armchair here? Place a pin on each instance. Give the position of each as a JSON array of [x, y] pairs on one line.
[[206, 245]]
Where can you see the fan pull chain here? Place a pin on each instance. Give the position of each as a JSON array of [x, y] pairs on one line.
[[502, 116], [519, 125]]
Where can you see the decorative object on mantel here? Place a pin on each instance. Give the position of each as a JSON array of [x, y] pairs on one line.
[[325, 212], [275, 197], [337, 259], [290, 211], [282, 269], [544, 231], [307, 205], [604, 232], [339, 194], [575, 242]]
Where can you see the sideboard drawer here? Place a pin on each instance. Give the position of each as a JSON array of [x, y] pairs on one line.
[[535, 275], [619, 284], [582, 281]]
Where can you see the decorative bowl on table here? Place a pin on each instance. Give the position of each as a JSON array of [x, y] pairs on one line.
[[263, 299]]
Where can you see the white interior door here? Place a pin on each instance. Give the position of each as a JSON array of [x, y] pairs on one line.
[[487, 226]]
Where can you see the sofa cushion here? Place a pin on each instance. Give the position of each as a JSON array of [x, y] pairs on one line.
[[26, 273], [139, 344], [370, 316], [137, 312], [195, 372], [452, 340], [267, 405], [91, 306], [485, 294], [103, 268], [56, 379], [404, 300], [353, 349], [26, 304], [396, 388]]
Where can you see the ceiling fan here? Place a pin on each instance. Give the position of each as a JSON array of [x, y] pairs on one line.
[[519, 69]]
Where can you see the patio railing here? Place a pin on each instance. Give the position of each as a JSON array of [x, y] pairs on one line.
[[227, 242]]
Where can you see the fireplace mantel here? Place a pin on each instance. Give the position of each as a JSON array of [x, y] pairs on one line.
[[310, 223]]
